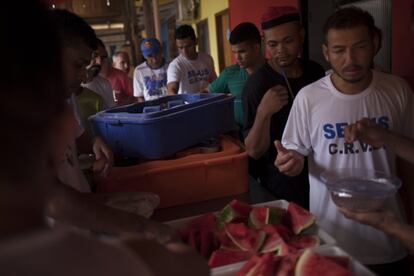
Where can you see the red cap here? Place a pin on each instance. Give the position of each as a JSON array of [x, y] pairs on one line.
[[274, 16]]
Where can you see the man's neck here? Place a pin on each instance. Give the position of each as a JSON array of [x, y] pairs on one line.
[[193, 57], [350, 88], [292, 71], [260, 61]]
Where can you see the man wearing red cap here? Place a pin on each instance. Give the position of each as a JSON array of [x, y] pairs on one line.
[[267, 98]]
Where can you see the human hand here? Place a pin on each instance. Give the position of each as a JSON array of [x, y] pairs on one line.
[[367, 131], [274, 100], [103, 155], [287, 161], [138, 203], [171, 259], [161, 232], [381, 219]]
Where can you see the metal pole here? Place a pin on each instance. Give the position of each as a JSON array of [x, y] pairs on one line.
[[157, 23]]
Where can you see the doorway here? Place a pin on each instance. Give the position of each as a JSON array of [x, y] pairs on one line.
[[202, 34], [223, 45]]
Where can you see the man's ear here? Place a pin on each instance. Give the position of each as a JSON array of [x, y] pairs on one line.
[[325, 51]]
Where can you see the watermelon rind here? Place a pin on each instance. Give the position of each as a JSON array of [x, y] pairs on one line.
[[314, 264], [246, 239], [300, 219]]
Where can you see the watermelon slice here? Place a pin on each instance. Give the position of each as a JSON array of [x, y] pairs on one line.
[[311, 263], [286, 249], [300, 219], [304, 241], [235, 211], [224, 257], [284, 232], [287, 265], [208, 243], [263, 266], [245, 238], [273, 243], [260, 216]]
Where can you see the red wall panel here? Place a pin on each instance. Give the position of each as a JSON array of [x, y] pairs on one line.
[[251, 10], [402, 61]]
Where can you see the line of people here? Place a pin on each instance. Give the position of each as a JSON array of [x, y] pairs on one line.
[[296, 121]]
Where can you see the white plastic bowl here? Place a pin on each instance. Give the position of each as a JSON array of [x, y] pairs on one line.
[[360, 190]]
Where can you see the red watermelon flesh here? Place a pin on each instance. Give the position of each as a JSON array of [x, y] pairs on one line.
[[272, 243], [263, 266], [245, 238], [287, 265], [311, 263], [258, 217], [304, 241], [249, 266], [208, 243], [225, 242], [224, 257], [284, 232], [286, 249], [235, 211], [300, 218], [240, 207]]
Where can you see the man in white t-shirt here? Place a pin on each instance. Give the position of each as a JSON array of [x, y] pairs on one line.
[[190, 72], [150, 77], [316, 124], [97, 83]]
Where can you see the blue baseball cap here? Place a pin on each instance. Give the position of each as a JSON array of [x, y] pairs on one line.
[[150, 46]]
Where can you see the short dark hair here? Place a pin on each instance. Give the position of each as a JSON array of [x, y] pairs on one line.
[[350, 17], [100, 42], [185, 31], [72, 29], [243, 32]]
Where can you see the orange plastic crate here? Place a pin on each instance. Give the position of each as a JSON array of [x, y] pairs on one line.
[[193, 178]]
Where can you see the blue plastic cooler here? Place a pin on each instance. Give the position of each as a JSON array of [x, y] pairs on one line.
[[159, 128]]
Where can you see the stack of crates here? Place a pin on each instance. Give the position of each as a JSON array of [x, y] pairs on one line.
[[159, 128], [156, 131]]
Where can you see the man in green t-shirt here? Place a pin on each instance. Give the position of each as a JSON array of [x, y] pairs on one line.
[[245, 43]]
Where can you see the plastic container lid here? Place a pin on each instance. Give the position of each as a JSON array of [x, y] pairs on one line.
[[361, 182]]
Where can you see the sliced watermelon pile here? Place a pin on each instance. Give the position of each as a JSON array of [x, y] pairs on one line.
[[240, 231], [308, 263]]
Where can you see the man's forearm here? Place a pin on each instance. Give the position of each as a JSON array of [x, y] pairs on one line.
[[79, 209], [258, 140], [402, 146]]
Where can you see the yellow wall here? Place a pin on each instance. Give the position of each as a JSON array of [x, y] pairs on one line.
[[208, 9]]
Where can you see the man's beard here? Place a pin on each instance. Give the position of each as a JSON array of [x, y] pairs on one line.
[[93, 71], [355, 80]]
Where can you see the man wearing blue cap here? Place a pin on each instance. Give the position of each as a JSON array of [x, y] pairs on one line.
[[150, 77]]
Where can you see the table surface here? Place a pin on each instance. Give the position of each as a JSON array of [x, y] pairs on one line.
[[256, 194]]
